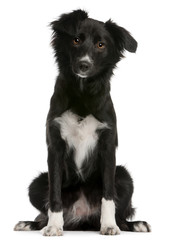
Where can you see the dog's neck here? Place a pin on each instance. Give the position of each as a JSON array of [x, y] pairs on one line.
[[92, 86], [89, 99]]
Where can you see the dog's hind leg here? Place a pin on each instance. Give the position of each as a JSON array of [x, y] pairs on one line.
[[124, 210], [38, 194]]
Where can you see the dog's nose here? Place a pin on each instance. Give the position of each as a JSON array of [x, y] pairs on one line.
[[84, 66]]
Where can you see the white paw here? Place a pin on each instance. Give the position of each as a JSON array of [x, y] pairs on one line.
[[114, 230], [22, 226], [142, 227], [52, 231]]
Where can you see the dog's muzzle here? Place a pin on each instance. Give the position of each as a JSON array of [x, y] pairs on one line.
[[83, 67]]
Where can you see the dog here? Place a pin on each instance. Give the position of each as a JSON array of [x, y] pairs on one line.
[[84, 189]]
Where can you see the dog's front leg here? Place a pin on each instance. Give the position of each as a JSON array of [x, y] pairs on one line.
[[56, 151], [108, 222]]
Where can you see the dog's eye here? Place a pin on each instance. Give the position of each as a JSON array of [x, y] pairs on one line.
[[100, 45], [76, 41]]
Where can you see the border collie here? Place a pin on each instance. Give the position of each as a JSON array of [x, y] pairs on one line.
[[83, 189]]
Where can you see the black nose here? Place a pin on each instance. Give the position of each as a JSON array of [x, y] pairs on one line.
[[84, 66]]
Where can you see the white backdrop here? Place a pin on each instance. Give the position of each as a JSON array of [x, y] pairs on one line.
[[140, 91]]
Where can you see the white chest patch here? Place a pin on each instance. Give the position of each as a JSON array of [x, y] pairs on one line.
[[79, 134]]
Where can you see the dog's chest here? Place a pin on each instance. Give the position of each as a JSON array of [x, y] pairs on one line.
[[80, 134]]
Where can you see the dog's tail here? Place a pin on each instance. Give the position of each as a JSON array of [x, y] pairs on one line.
[[137, 226], [39, 223]]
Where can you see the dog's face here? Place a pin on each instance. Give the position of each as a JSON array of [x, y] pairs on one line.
[[87, 47], [90, 51]]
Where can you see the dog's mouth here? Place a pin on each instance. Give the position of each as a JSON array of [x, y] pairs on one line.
[[81, 75]]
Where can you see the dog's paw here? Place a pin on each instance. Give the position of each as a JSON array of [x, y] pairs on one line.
[[22, 226], [142, 226], [52, 231], [110, 230]]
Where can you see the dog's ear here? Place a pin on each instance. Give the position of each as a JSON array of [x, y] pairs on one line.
[[122, 37], [68, 23]]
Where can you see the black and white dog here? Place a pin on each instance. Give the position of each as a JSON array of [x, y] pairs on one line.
[[83, 189]]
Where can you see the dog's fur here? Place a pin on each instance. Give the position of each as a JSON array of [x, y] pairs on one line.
[[83, 189]]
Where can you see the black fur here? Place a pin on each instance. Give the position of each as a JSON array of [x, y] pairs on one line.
[[62, 185]]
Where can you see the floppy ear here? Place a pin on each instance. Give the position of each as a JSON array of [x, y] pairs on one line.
[[68, 23], [121, 37]]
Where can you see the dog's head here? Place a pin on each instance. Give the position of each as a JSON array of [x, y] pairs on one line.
[[86, 47]]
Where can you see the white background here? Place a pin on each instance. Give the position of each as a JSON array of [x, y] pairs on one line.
[[140, 91]]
